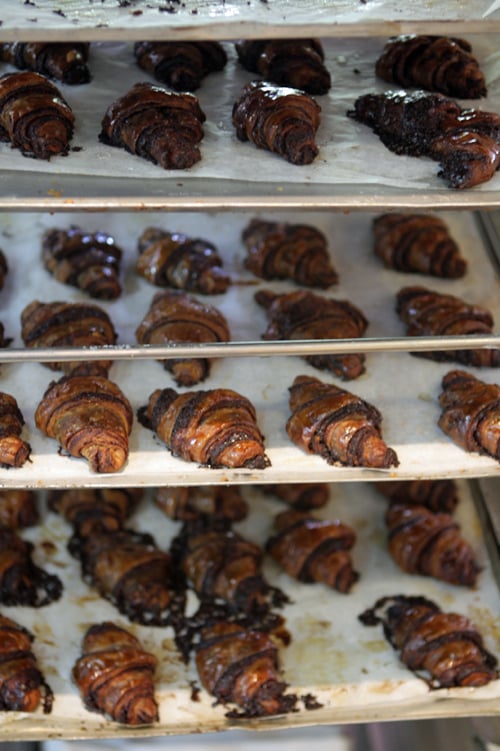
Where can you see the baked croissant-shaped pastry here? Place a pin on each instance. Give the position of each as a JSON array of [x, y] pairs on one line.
[[160, 126], [22, 685], [212, 503], [171, 259], [300, 495], [314, 550], [222, 565], [277, 250], [298, 63], [174, 317], [446, 648], [466, 142], [4, 268], [62, 324], [337, 425], [239, 665], [429, 313], [87, 260], [304, 315], [436, 495], [419, 243], [431, 544], [115, 675], [34, 117], [21, 581], [180, 65], [433, 63], [129, 570], [18, 508], [90, 417], [94, 509], [470, 413], [64, 61], [278, 119], [217, 427], [14, 451]]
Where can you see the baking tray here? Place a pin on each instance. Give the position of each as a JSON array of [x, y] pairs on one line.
[[353, 169], [350, 668], [403, 387], [201, 19]]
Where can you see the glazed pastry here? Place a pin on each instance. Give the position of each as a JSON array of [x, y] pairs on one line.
[[115, 675], [18, 508], [222, 565], [429, 313], [14, 451], [419, 243], [4, 269], [90, 417], [180, 65], [436, 495], [22, 685], [239, 665], [314, 550], [470, 413], [21, 581], [433, 63], [89, 261], [157, 125], [278, 119], [466, 142], [212, 503], [298, 63], [446, 648], [299, 252], [129, 570], [300, 495], [34, 117], [216, 428], [91, 510], [430, 544], [174, 317], [171, 259], [66, 62], [304, 315], [61, 324], [337, 425]]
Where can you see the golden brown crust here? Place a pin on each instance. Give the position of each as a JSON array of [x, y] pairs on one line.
[[211, 502], [337, 425], [160, 126], [34, 116], [300, 495], [94, 509], [436, 495], [14, 451], [216, 428], [174, 317], [90, 417], [18, 508], [115, 675], [278, 119]]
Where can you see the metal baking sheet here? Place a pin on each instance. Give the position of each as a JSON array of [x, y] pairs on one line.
[[405, 388], [350, 668], [353, 168], [200, 19]]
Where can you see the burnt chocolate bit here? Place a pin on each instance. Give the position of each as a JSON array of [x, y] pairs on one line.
[[466, 142], [446, 649]]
